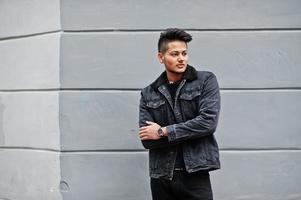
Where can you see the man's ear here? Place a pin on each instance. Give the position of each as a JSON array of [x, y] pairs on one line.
[[160, 57]]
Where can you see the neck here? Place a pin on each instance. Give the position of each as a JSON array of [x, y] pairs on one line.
[[173, 77]]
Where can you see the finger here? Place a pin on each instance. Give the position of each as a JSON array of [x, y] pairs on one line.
[[142, 134], [143, 138], [143, 128], [143, 131], [149, 123]]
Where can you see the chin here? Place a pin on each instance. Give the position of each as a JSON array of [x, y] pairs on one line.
[[177, 70], [181, 70]]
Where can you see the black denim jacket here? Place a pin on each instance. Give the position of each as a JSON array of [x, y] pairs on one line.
[[191, 121]]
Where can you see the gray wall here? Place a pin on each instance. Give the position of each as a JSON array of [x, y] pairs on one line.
[[29, 100], [70, 75]]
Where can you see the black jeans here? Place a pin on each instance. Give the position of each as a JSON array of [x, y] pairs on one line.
[[183, 186]]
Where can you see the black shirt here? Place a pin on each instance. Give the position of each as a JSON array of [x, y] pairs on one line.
[[173, 87]]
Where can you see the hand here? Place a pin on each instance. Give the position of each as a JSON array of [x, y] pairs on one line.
[[149, 132]]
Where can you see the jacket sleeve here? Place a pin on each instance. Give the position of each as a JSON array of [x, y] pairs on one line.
[[144, 116], [206, 121]]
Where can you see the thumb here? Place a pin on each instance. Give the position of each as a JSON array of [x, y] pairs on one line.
[[149, 123]]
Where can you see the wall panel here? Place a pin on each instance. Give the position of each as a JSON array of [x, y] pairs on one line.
[[193, 14], [128, 60], [19, 18], [123, 175], [30, 120], [106, 120], [30, 63], [255, 175], [29, 175], [106, 176]]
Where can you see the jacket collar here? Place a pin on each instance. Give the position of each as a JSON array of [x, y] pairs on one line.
[[190, 74]]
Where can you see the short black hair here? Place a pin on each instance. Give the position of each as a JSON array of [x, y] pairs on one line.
[[170, 35]]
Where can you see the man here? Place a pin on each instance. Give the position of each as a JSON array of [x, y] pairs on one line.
[[178, 116]]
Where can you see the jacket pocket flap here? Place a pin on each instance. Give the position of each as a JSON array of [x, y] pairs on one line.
[[155, 104], [190, 95]]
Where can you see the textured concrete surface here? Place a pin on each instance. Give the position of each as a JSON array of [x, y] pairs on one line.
[[30, 63], [256, 175], [29, 110], [19, 18], [137, 14], [128, 59], [249, 175], [28, 175], [105, 175], [267, 119], [29, 119], [107, 120], [99, 120]]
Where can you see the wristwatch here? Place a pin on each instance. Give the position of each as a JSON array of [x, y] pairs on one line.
[[160, 132]]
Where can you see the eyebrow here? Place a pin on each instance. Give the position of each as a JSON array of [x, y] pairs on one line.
[[178, 51]]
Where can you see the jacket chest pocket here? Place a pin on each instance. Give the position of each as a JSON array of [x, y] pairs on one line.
[[155, 104], [189, 101], [157, 109]]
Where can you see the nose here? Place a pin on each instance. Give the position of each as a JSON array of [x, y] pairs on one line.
[[181, 58]]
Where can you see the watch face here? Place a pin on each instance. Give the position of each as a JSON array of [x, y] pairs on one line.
[[160, 132]]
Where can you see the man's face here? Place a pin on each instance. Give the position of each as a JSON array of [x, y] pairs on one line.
[[175, 58]]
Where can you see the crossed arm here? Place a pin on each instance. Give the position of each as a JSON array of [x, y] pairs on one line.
[[202, 125], [150, 131]]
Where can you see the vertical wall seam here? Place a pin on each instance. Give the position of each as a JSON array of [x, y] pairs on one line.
[[62, 185]]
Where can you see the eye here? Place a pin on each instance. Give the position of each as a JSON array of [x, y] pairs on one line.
[[184, 53], [174, 54]]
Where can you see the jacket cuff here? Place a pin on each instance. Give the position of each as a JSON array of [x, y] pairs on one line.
[[171, 133]]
